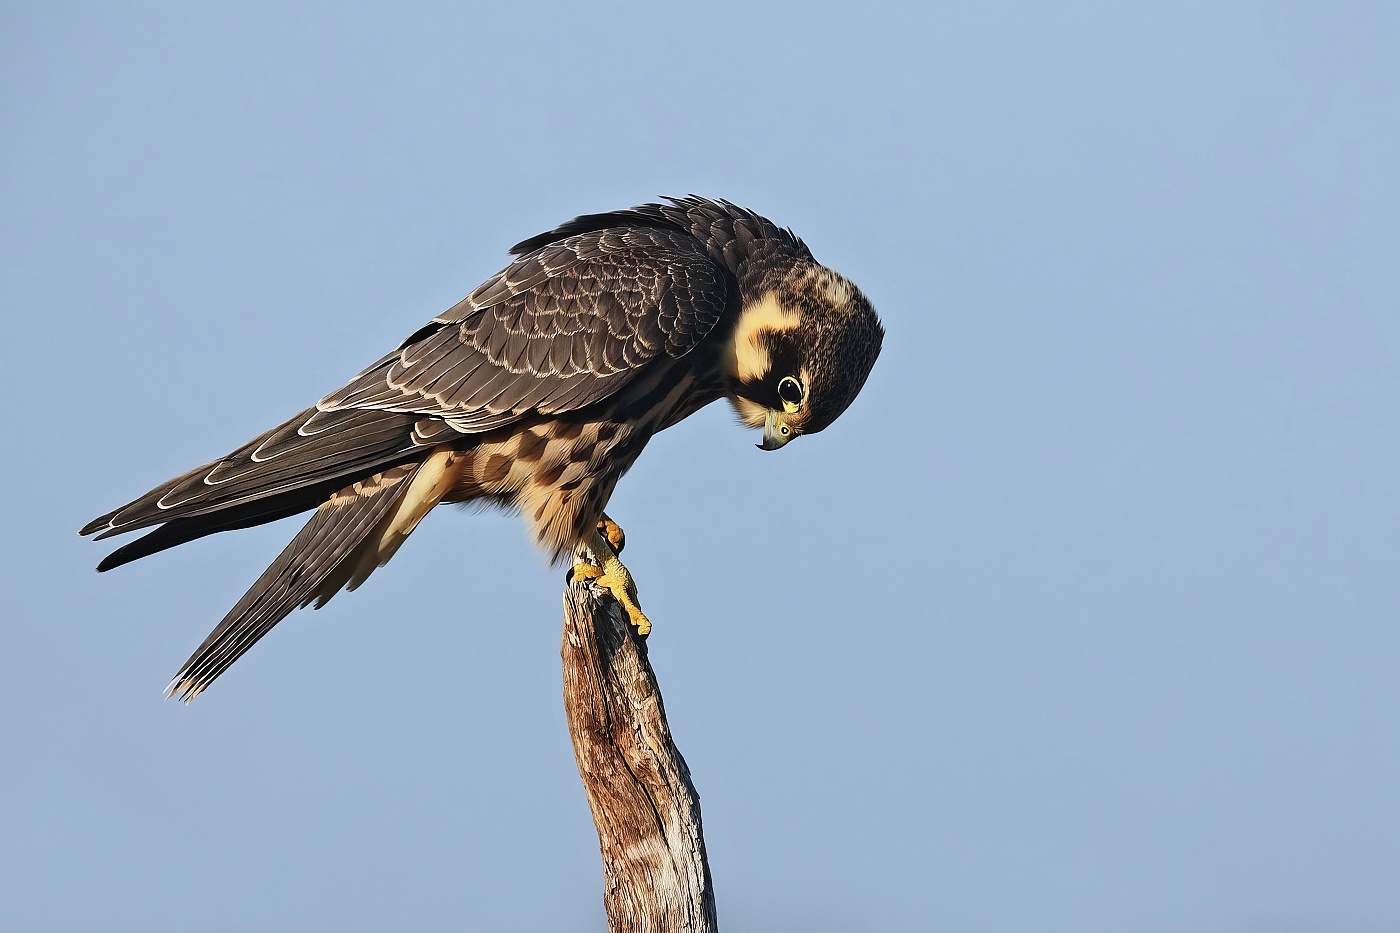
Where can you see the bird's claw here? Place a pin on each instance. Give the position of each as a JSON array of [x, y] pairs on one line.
[[583, 570], [625, 592], [612, 574], [611, 532]]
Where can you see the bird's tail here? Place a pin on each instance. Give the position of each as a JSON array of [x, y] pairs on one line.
[[353, 532]]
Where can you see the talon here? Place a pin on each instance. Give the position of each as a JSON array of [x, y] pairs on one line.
[[612, 533], [625, 592], [585, 571], [614, 575]]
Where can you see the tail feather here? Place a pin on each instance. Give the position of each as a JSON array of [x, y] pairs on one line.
[[429, 484], [334, 537]]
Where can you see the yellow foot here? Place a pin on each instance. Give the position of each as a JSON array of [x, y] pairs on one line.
[[605, 543], [611, 531], [583, 570], [625, 592]]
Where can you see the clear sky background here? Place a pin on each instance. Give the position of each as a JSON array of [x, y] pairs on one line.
[[1082, 618]]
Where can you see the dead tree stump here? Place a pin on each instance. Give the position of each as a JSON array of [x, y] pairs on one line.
[[655, 876]]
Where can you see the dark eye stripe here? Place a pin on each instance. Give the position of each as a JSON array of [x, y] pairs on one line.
[[789, 390]]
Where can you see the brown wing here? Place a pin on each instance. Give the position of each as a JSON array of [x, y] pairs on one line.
[[561, 328]]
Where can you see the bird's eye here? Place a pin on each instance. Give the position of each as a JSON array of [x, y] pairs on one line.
[[790, 390]]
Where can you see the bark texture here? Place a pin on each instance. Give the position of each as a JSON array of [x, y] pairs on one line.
[[655, 876]]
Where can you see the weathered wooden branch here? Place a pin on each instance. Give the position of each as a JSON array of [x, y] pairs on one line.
[[655, 876]]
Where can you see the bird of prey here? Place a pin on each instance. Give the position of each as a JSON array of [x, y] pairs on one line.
[[536, 392]]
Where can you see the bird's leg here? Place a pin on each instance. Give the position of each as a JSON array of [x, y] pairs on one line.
[[605, 542], [612, 533]]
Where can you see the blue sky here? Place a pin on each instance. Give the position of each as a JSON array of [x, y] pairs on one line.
[[1083, 617]]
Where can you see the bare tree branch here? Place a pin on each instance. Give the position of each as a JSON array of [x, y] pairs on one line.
[[655, 876]]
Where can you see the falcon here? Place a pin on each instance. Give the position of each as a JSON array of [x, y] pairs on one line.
[[535, 393]]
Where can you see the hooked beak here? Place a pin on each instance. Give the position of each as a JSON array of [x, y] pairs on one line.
[[775, 432]]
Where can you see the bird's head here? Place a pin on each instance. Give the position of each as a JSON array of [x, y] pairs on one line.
[[800, 354]]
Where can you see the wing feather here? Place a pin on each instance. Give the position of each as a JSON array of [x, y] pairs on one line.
[[276, 462], [559, 329]]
